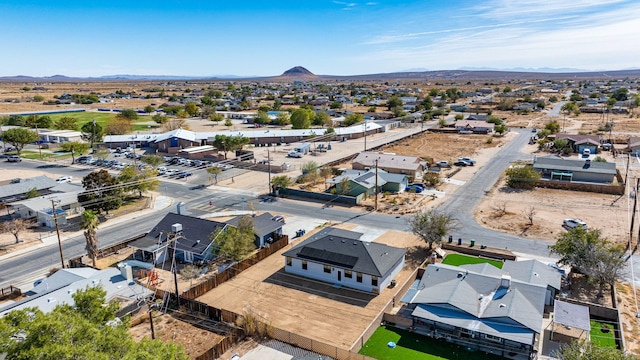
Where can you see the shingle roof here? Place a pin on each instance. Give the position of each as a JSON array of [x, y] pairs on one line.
[[560, 164], [367, 158], [475, 290], [195, 233], [262, 224], [347, 252], [39, 183]]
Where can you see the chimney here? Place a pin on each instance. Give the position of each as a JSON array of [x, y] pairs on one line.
[[505, 281], [127, 272]]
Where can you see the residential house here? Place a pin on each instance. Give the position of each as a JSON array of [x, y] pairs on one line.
[[41, 208], [192, 237], [59, 288], [364, 181], [558, 168], [581, 142], [482, 307], [266, 229], [633, 146], [474, 126], [18, 190], [412, 166], [339, 257], [477, 117]]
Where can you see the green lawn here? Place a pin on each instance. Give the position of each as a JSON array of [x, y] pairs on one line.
[[411, 346], [34, 155], [602, 339], [457, 260], [103, 119]]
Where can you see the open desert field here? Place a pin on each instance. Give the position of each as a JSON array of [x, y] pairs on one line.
[[304, 306]]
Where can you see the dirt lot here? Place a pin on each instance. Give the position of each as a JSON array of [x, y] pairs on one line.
[[303, 306], [195, 340], [630, 323]]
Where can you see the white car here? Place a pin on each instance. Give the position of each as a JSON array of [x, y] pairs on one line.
[[64, 179], [574, 223], [468, 160]]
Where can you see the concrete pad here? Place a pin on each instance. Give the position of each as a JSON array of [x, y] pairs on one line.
[[452, 181], [295, 223], [370, 233]]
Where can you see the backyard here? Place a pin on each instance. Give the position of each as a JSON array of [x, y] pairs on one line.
[[602, 334], [459, 259], [412, 346]]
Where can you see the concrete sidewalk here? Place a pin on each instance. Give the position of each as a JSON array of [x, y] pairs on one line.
[[159, 202]]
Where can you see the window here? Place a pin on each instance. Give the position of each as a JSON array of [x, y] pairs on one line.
[[348, 274], [327, 269], [304, 265], [374, 280], [359, 277], [289, 261], [492, 338]]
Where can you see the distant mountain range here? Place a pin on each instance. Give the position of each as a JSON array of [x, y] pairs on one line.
[[302, 74]]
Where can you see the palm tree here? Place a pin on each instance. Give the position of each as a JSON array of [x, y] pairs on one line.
[[90, 223]]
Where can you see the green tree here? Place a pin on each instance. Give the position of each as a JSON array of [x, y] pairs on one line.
[[335, 105], [75, 147], [620, 94], [38, 98], [301, 118], [129, 114], [32, 193], [90, 224], [102, 192], [589, 253], [500, 129], [19, 137], [66, 123], [283, 118], [586, 350], [553, 127], [522, 177], [281, 182], [344, 186], [160, 119], [393, 102], [152, 160], [228, 123], [92, 132], [235, 242], [216, 118], [353, 119], [322, 119], [561, 145], [149, 109], [431, 226], [191, 108], [86, 329], [262, 118], [214, 171], [507, 89]]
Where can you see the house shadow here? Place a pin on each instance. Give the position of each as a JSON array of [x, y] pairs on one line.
[[311, 286]]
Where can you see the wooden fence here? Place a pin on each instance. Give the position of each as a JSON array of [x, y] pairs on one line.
[[315, 345], [106, 251], [10, 292], [228, 274], [579, 186], [218, 349]]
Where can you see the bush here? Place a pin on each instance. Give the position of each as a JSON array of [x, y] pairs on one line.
[[522, 177]]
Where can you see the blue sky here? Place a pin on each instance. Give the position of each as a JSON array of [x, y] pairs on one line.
[[204, 38]]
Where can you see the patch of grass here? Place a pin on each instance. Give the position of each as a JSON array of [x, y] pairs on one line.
[[102, 119], [602, 339], [458, 259], [412, 346], [34, 155]]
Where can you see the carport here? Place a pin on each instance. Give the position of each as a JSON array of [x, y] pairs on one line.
[[572, 316]]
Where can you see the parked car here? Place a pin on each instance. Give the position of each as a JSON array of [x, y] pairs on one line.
[[443, 164], [414, 188], [223, 166], [468, 160], [64, 179], [14, 158], [183, 174], [278, 218], [573, 223], [462, 163]]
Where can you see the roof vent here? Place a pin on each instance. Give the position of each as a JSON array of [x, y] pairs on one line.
[[505, 281], [342, 241], [355, 243], [460, 274], [502, 305], [51, 300], [535, 274]]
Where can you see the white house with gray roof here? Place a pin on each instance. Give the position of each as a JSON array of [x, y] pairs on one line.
[[483, 307], [558, 168], [412, 166], [338, 257], [18, 191]]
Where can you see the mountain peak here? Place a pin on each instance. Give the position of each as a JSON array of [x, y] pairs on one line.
[[298, 71]]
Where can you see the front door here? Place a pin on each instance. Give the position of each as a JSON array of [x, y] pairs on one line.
[[339, 275]]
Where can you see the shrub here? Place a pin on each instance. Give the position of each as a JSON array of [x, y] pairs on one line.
[[522, 177]]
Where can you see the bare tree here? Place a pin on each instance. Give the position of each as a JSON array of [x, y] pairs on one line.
[[15, 227], [529, 213], [500, 209], [190, 272]]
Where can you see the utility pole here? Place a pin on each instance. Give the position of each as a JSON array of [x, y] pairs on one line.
[[153, 333], [269, 164], [39, 142], [55, 217], [365, 135], [376, 201]]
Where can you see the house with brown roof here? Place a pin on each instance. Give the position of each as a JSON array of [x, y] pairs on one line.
[[412, 166], [475, 126]]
